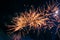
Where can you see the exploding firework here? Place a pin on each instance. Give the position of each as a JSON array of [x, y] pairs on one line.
[[32, 19], [37, 18], [40, 18]]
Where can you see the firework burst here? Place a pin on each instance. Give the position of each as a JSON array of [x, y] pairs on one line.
[[37, 18], [32, 19]]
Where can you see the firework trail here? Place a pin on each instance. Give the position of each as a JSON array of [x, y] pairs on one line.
[[37, 18]]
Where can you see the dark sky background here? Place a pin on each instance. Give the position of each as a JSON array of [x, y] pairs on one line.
[[9, 7]]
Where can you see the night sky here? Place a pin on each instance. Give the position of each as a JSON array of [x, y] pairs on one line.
[[8, 9]]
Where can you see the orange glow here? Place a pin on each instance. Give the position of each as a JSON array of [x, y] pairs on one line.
[[33, 18]]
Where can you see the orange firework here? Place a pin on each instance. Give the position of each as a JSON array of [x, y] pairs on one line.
[[35, 18], [32, 19]]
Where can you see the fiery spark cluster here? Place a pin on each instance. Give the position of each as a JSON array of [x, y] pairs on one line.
[[36, 18], [33, 19]]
